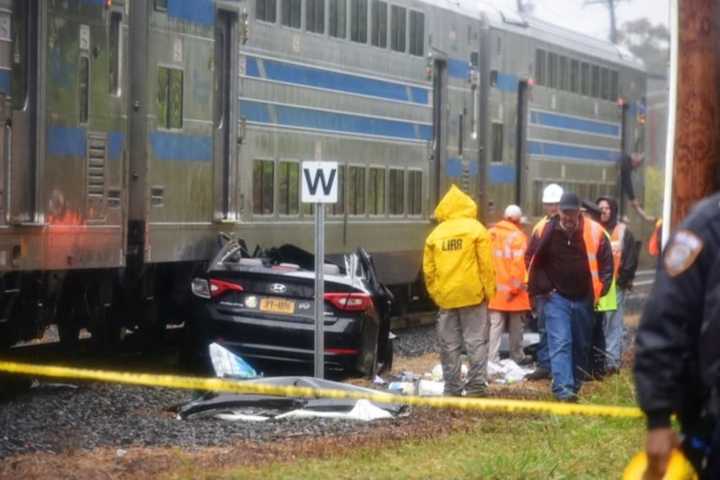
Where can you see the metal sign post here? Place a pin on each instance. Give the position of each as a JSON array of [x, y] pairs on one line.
[[319, 186]]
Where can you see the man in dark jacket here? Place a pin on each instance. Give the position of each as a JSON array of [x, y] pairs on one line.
[[625, 260], [570, 265], [677, 359]]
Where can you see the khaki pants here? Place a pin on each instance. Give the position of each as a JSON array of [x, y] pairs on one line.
[[515, 332], [468, 327]]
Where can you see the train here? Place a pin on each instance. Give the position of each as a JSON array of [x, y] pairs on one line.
[[134, 134]]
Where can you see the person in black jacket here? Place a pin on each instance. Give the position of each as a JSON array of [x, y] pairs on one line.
[[570, 268], [677, 358], [625, 257]]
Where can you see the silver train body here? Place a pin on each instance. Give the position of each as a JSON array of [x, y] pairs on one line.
[[137, 131]]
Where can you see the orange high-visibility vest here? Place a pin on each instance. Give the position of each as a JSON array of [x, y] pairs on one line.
[[654, 242], [616, 242], [592, 237], [509, 245]]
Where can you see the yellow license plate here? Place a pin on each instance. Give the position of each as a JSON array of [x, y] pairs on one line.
[[277, 305]]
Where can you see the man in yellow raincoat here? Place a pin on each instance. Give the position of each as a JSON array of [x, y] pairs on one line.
[[460, 277]]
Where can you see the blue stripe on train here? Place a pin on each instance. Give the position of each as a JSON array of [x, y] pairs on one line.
[[66, 142], [458, 68], [332, 121], [196, 11], [564, 122], [575, 152], [178, 146], [5, 82], [115, 142], [501, 174], [342, 82]]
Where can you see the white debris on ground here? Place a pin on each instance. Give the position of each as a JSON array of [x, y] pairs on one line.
[[504, 372]]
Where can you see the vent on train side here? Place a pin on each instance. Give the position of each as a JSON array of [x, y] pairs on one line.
[[95, 179]]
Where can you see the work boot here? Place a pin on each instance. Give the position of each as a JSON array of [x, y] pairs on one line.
[[526, 360], [477, 392], [539, 373]]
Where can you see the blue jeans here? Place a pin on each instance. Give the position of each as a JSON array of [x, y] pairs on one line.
[[569, 333], [543, 356], [614, 328]]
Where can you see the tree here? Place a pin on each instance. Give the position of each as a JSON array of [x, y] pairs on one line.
[[649, 42], [611, 5]]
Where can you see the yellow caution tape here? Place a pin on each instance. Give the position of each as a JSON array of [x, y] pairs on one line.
[[233, 386]]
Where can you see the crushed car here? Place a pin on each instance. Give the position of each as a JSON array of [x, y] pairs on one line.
[[261, 307]]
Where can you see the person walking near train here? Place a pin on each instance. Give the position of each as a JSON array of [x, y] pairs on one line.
[[571, 266], [551, 204], [460, 278], [625, 262], [511, 303]]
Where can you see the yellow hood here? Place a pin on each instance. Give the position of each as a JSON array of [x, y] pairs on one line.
[[455, 204]]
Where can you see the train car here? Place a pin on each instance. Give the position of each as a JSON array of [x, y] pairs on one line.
[[137, 132]]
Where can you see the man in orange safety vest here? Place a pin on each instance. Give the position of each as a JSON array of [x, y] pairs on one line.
[[511, 303]]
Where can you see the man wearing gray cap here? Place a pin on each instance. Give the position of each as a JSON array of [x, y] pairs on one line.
[[571, 267]]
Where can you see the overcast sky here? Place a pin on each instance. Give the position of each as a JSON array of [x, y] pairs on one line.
[[592, 20]]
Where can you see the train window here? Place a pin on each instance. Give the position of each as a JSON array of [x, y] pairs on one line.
[[604, 83], [574, 76], [114, 74], [614, 91], [563, 75], [161, 5], [338, 208], [338, 18], [417, 33], [596, 81], [376, 191], [415, 193], [540, 67], [170, 97], [396, 196], [266, 10], [474, 59], [291, 13], [263, 177], [585, 79], [379, 23], [84, 94], [20, 54], [288, 192], [356, 191], [497, 139], [397, 28], [358, 20], [552, 70], [315, 16]]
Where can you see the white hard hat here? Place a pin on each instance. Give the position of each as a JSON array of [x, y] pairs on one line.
[[552, 193], [513, 211]]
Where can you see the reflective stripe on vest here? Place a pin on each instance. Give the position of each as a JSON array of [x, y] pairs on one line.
[[616, 242]]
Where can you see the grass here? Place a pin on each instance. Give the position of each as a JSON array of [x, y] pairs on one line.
[[495, 447]]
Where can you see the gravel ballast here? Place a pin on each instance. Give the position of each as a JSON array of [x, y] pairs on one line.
[[60, 419]]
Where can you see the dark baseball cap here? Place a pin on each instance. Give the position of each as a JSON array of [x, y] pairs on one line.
[[569, 201]]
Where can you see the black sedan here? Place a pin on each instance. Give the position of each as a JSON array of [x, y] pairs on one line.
[[262, 308]]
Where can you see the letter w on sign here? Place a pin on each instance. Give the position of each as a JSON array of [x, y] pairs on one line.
[[319, 182]]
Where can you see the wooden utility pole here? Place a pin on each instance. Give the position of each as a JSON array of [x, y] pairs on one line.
[[697, 126]]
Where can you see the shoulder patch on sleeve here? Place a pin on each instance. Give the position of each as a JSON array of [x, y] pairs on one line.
[[682, 252]]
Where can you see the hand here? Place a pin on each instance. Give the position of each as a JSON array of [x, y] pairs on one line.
[[658, 446]]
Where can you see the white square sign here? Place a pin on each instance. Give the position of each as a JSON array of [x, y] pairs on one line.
[[319, 182]]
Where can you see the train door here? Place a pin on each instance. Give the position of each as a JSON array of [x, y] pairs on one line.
[[439, 145], [226, 85], [521, 144], [21, 123]]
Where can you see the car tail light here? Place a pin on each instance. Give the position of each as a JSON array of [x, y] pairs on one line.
[[342, 351], [350, 302], [218, 287]]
